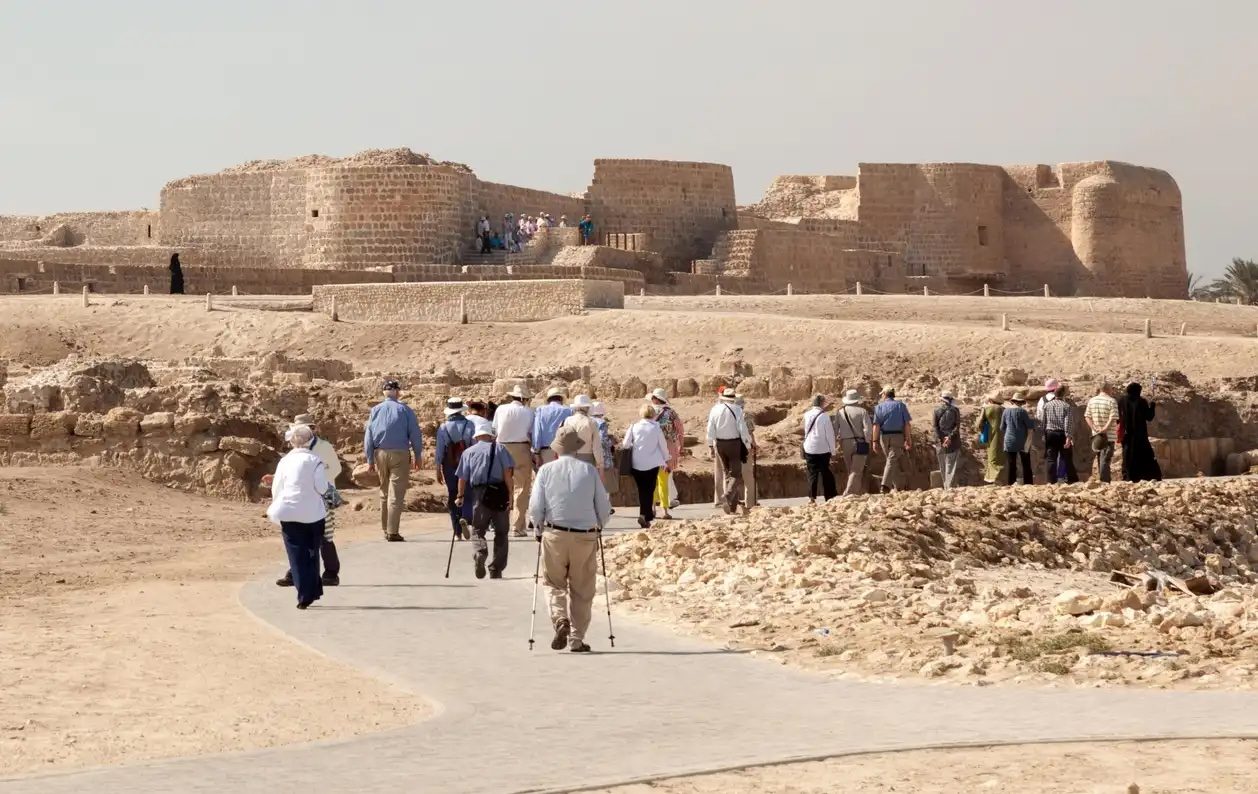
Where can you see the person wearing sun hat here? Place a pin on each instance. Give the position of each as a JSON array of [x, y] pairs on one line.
[[728, 439], [854, 428], [591, 448], [454, 437], [946, 422], [484, 471], [1016, 426], [513, 424], [675, 434]]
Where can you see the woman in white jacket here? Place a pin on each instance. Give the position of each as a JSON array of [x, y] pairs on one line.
[[297, 506], [650, 453]]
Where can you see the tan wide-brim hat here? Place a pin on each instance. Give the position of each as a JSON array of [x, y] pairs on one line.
[[728, 394], [304, 419], [567, 441], [518, 392], [1018, 397], [852, 397]]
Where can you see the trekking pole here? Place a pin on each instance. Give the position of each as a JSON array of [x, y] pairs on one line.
[[536, 572], [607, 599], [450, 557]]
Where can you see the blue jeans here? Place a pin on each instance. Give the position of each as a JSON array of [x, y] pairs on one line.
[[452, 490], [302, 542]]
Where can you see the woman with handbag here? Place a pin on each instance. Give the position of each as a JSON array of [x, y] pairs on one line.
[[992, 436], [644, 452]]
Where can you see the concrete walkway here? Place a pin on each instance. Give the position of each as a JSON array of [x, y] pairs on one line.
[[658, 704]]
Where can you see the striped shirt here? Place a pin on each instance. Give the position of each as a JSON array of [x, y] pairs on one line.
[[1100, 410]]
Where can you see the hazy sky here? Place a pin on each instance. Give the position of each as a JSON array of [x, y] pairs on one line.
[[103, 102]]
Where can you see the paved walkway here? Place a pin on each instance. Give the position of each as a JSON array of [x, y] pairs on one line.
[[658, 704]]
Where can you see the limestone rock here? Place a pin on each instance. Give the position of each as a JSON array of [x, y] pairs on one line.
[[54, 425], [632, 388], [791, 387], [754, 387], [1073, 602], [89, 426], [365, 478], [875, 595], [159, 422], [122, 422], [191, 424], [1012, 377], [89, 394], [684, 550], [669, 385], [687, 387], [249, 447]]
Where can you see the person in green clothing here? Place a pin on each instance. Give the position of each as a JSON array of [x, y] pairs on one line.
[[990, 414]]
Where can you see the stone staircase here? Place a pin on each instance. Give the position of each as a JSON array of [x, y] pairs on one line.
[[732, 254]]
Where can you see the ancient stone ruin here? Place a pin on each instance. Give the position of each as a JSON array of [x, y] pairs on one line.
[[1095, 228]]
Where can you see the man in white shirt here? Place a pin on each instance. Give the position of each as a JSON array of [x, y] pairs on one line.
[[513, 424], [728, 438], [569, 507], [819, 449], [297, 506]]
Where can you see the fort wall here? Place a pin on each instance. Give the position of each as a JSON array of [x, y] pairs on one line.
[[682, 206], [506, 301]]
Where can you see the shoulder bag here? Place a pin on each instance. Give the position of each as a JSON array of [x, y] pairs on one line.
[[496, 497], [862, 444], [742, 445]]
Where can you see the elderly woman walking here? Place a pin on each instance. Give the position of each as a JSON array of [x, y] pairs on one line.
[[609, 473], [297, 506], [649, 455]]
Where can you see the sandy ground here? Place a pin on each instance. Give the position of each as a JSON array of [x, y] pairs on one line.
[[1182, 767], [121, 637], [673, 337]]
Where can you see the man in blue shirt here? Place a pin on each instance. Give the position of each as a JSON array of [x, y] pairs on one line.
[[893, 428], [392, 435], [484, 474], [546, 422], [453, 437]]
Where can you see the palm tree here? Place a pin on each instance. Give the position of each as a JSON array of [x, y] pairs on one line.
[[1198, 290], [1240, 280]]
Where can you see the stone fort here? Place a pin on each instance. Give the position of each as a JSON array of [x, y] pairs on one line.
[[1094, 228]]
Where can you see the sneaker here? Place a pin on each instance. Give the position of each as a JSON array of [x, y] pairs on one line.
[[519, 533], [330, 579], [561, 635], [495, 574], [285, 581], [479, 561], [465, 532], [674, 503], [643, 522], [395, 538], [579, 647]]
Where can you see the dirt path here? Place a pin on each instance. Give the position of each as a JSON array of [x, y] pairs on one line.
[[1182, 767], [125, 606]]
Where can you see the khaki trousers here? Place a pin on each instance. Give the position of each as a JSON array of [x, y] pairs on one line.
[[393, 466], [893, 448], [522, 481], [569, 572], [730, 453], [855, 468]]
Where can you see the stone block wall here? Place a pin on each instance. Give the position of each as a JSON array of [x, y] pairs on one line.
[[682, 206], [495, 200], [807, 261], [498, 301], [649, 264], [38, 277], [132, 227]]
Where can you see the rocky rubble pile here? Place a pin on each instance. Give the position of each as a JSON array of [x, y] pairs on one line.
[[978, 584]]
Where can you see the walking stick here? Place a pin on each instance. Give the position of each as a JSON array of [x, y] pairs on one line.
[[607, 599], [536, 572], [450, 557]]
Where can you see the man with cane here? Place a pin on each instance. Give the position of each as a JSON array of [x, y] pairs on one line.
[[568, 508]]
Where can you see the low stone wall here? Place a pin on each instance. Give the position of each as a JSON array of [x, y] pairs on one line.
[[498, 301], [632, 279], [30, 276], [648, 263]]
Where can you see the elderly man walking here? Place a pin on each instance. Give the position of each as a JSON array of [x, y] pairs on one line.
[[1101, 414], [391, 438], [331, 499], [854, 429], [893, 431], [513, 424], [946, 423], [297, 490], [453, 439], [484, 474], [729, 440], [819, 449], [591, 449], [546, 422], [569, 507]]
